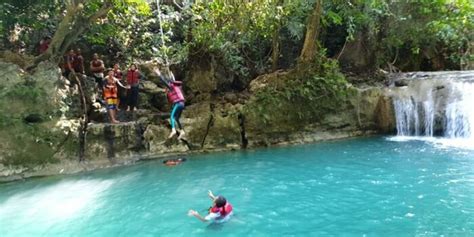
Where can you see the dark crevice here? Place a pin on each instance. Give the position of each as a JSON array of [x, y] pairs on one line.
[[139, 137], [189, 145], [109, 135], [243, 136], [209, 125], [84, 119]]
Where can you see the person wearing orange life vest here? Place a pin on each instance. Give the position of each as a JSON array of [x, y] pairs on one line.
[[220, 212], [176, 98], [110, 95]]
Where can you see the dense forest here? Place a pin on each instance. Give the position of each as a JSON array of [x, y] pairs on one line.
[[249, 38]]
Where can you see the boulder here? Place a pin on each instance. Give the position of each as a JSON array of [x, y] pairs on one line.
[[266, 79], [157, 142], [150, 87], [385, 115], [113, 140]]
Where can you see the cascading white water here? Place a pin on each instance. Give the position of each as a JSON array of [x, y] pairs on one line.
[[440, 104], [460, 113]]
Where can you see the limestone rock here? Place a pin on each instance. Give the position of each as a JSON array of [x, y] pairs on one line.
[[263, 80], [11, 75], [150, 87], [385, 115], [113, 140], [157, 142]]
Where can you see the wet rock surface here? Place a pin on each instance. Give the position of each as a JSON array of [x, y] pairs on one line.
[[218, 124]]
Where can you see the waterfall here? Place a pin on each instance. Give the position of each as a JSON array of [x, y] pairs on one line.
[[435, 104], [460, 113]]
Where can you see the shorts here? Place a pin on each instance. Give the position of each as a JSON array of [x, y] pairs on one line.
[[111, 103]]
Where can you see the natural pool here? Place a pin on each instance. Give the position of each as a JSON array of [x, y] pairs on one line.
[[358, 187]]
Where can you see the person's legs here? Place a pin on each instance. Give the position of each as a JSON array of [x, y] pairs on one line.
[[172, 119], [134, 98], [129, 98], [179, 110], [112, 110]]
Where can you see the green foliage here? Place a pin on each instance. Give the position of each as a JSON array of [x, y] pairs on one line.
[[23, 23], [301, 97], [415, 28], [37, 141], [38, 145]]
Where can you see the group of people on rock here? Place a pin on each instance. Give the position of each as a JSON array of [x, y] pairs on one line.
[[119, 90]]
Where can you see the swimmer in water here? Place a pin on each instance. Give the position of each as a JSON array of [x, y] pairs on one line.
[[174, 162], [220, 212]]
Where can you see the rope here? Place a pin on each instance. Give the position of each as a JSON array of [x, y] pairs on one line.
[[161, 32]]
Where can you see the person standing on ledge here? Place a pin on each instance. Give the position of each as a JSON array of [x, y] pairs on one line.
[[110, 95], [220, 212], [78, 63], [97, 68], [133, 81]]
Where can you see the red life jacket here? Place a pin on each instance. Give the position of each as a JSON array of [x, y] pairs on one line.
[[175, 95], [133, 77], [224, 211], [98, 63]]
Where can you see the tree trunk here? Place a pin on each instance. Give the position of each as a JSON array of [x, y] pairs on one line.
[[310, 46], [70, 28], [275, 49], [84, 120]]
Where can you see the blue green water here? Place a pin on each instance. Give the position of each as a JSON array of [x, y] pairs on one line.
[[357, 187]]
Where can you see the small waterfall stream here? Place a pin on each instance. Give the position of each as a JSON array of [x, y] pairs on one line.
[[435, 104]]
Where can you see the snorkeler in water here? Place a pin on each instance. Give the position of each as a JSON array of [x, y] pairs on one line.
[[220, 212], [174, 162]]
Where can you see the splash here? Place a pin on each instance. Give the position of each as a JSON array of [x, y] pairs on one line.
[[46, 207]]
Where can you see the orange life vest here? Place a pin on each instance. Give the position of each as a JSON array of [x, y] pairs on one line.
[[110, 93]]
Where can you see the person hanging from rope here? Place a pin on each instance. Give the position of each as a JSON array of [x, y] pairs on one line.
[[176, 98]]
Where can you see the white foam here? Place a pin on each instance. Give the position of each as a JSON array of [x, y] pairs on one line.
[[462, 143], [46, 207]]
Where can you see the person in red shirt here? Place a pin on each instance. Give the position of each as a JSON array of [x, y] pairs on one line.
[[68, 63], [133, 81], [97, 68], [79, 62], [44, 44]]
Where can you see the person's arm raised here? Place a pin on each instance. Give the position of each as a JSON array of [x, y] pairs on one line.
[[162, 79], [211, 195]]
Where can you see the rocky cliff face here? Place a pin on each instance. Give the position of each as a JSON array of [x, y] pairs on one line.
[[40, 111]]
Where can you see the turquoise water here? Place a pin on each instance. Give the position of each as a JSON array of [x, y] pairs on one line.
[[358, 187]]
